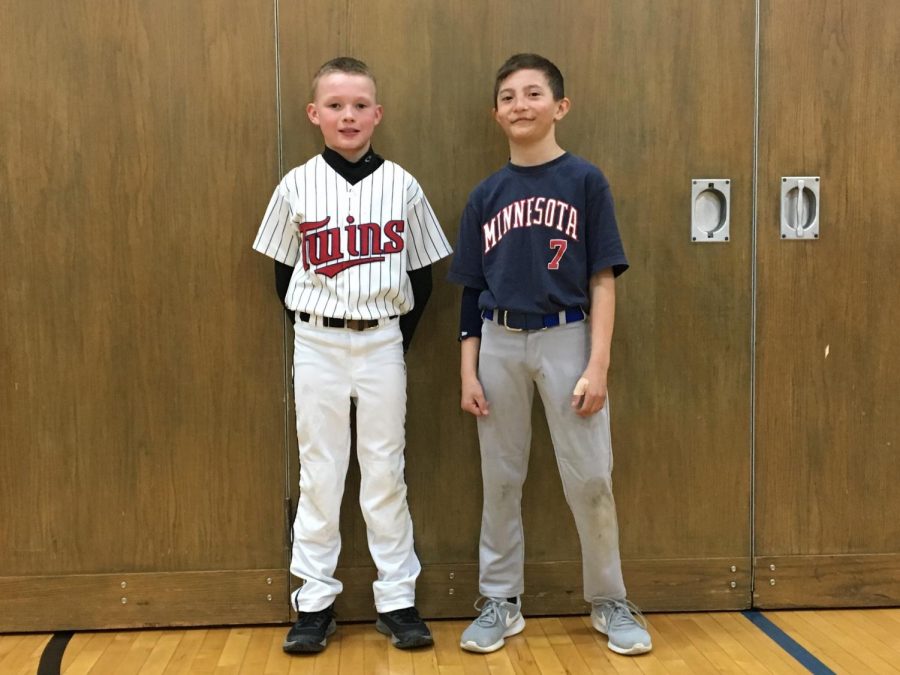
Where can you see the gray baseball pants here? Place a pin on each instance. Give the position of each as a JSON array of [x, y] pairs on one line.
[[510, 365]]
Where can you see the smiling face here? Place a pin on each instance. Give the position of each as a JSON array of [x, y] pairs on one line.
[[345, 110], [525, 108]]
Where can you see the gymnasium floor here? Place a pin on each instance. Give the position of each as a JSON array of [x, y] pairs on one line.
[[839, 641]]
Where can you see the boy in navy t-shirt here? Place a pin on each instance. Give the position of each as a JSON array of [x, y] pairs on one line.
[[538, 253]]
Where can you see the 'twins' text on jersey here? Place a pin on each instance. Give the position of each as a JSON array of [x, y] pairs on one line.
[[321, 249]]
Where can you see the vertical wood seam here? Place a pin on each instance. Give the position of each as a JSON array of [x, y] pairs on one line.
[[286, 362], [754, 297]]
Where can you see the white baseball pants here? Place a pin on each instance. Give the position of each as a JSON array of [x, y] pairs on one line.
[[510, 365], [331, 366]]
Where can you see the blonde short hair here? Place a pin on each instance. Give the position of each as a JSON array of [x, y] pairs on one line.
[[341, 64]]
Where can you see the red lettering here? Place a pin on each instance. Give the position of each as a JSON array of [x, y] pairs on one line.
[[560, 245], [370, 239], [304, 229], [323, 247], [352, 240], [393, 230]]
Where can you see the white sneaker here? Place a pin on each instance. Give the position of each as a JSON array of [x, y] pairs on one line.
[[498, 619], [622, 622]]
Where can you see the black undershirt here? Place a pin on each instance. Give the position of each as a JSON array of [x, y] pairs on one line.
[[420, 279], [469, 314]]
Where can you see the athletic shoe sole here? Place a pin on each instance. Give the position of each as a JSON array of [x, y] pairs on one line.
[[408, 643], [636, 648], [517, 627]]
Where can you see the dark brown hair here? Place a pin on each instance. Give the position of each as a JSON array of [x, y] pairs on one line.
[[518, 62]]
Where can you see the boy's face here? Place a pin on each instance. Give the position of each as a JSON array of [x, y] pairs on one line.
[[525, 107], [347, 113]]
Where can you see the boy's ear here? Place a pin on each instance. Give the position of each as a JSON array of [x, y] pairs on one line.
[[562, 108], [312, 113], [379, 113]]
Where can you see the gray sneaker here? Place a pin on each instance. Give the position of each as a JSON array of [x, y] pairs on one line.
[[498, 619], [622, 622]]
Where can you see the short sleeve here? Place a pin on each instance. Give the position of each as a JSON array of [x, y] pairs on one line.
[[425, 240], [604, 244], [276, 237], [467, 267]]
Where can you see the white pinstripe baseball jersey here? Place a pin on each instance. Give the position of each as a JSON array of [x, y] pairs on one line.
[[350, 245]]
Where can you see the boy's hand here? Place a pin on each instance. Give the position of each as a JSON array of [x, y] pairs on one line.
[[473, 400], [590, 392]]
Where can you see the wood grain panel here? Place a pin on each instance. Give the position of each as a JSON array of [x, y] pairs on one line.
[[827, 581], [829, 356], [141, 407], [128, 600], [668, 100], [554, 588]]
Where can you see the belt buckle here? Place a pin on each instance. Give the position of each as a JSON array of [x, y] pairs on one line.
[[507, 326], [362, 325]]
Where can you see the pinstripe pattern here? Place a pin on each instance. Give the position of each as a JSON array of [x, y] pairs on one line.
[[345, 267]]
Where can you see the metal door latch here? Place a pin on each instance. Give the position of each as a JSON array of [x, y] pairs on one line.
[[710, 210], [800, 207]]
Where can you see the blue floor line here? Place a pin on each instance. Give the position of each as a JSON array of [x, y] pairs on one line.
[[788, 644]]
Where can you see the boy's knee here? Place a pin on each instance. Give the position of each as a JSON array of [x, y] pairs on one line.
[[503, 492], [382, 483], [594, 492]]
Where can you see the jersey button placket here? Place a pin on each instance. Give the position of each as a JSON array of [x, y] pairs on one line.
[[345, 287]]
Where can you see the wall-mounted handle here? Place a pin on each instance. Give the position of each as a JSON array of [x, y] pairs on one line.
[[710, 210], [800, 207]]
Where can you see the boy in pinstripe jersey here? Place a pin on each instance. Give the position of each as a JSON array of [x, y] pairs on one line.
[[349, 231]]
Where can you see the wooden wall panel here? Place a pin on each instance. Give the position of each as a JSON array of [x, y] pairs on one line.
[[797, 581], [829, 356], [141, 405], [38, 603], [554, 588]]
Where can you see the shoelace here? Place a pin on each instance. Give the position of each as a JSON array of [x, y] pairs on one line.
[[407, 615], [314, 619], [489, 611], [624, 612]]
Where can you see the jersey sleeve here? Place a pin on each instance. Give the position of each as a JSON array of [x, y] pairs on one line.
[[276, 237], [467, 268], [604, 244], [425, 240]]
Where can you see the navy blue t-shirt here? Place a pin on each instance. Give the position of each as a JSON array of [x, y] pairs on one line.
[[531, 237]]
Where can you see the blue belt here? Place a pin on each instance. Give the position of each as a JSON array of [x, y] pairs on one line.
[[526, 321]]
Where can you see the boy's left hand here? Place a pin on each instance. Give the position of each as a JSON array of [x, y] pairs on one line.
[[589, 395]]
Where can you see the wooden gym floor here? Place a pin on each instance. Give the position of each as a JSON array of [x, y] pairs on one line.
[[839, 641]]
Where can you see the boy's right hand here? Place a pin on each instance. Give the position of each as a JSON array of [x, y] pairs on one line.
[[473, 400]]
